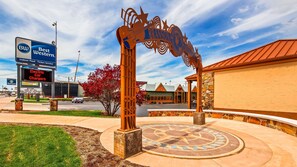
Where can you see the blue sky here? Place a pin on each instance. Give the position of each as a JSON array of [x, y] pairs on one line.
[[220, 29]]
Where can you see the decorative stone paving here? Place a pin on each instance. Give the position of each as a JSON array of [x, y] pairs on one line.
[[189, 141]]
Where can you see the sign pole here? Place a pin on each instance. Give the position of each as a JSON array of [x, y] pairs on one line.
[[53, 84], [56, 44], [18, 81]]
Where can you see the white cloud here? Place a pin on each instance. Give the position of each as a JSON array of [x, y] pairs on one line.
[[214, 58], [182, 12], [150, 67], [7, 74], [250, 40], [236, 20], [244, 9], [209, 44], [271, 13], [288, 29], [234, 36]]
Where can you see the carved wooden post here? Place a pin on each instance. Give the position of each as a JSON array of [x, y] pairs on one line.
[[199, 90], [199, 115], [189, 94]]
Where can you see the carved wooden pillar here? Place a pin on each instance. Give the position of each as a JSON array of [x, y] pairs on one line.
[[199, 115], [174, 98], [189, 94], [199, 90]]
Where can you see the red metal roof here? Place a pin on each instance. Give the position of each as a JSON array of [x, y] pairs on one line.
[[275, 51], [191, 77]]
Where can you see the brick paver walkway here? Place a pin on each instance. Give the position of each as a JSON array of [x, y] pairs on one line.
[[189, 141]]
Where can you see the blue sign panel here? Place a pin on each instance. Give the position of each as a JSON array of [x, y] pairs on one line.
[[11, 81], [34, 52]]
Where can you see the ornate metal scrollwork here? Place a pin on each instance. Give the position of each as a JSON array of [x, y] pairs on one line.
[[156, 35]]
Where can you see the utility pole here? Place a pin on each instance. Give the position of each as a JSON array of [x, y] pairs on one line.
[[68, 87], [76, 66], [18, 81]]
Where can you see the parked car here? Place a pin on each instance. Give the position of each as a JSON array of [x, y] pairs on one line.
[[77, 100]]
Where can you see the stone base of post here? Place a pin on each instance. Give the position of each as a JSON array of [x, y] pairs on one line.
[[199, 118], [53, 105], [127, 143], [19, 104]]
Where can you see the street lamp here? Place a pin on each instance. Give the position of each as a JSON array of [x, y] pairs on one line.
[[55, 24], [69, 86]]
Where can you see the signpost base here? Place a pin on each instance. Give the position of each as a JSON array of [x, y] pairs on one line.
[[19, 104], [127, 143], [199, 118], [53, 105]]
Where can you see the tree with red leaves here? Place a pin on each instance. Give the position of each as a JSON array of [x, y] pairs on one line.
[[104, 86]]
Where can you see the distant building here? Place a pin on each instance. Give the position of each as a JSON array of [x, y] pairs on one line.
[[164, 94], [61, 89]]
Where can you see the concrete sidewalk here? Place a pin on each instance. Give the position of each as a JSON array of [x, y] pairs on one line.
[[6, 102], [263, 146], [7, 105]]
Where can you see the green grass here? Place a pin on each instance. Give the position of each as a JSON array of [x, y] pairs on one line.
[[34, 101], [86, 113], [36, 146], [64, 99], [43, 100]]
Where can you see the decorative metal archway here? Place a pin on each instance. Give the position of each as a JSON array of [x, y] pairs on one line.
[[154, 35]]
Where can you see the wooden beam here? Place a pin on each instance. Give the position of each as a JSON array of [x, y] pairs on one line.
[[189, 94]]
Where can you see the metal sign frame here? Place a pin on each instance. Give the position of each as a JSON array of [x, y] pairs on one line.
[[27, 60]]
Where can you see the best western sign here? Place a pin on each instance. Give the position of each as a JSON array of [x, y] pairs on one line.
[[34, 52]]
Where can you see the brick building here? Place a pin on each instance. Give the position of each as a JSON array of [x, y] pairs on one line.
[[262, 80]]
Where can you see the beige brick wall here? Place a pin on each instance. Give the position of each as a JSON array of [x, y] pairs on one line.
[[267, 88]]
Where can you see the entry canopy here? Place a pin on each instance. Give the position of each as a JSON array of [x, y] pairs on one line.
[[156, 35]]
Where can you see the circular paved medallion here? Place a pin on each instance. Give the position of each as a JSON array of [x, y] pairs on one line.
[[189, 141]]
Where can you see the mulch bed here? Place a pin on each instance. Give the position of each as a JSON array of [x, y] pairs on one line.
[[88, 144]]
